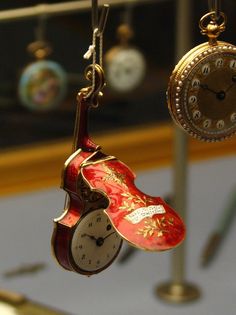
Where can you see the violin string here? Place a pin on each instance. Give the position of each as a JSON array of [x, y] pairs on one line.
[[101, 50], [92, 52], [94, 59]]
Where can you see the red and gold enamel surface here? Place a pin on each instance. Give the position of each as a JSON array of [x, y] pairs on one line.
[[64, 225], [146, 222]]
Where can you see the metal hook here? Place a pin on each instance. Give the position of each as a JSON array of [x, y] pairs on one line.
[[103, 19], [94, 14], [214, 6], [94, 72], [101, 23]]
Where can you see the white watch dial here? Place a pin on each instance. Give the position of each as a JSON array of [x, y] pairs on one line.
[[125, 70], [95, 242]]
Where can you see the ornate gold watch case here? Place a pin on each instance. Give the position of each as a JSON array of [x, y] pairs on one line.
[[202, 89]]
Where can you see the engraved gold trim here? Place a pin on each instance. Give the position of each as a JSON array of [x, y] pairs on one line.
[[108, 158], [134, 199], [155, 225], [65, 211], [113, 176]]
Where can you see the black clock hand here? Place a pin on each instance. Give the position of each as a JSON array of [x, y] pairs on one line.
[[99, 240], [91, 236], [109, 235], [205, 87], [219, 95], [232, 84]]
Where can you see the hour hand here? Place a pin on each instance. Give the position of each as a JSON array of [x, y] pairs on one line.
[[205, 87], [90, 236]]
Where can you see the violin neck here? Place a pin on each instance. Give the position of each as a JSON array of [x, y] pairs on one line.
[[81, 137]]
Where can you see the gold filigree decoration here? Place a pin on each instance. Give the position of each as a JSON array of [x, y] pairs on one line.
[[129, 204], [113, 176], [157, 226]]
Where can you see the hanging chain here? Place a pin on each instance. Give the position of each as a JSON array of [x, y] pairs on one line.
[[97, 34], [101, 50], [128, 14], [92, 53], [213, 23], [214, 6]]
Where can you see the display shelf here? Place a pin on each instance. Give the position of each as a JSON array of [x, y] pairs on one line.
[[61, 8], [38, 166]]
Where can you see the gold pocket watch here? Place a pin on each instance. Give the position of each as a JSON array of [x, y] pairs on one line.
[[124, 64], [43, 83], [202, 88]]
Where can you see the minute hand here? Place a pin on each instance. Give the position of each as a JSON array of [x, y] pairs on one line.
[[91, 236], [205, 87], [108, 235], [232, 84]]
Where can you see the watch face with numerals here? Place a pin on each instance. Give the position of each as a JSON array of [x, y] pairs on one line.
[[125, 68], [202, 92], [95, 243]]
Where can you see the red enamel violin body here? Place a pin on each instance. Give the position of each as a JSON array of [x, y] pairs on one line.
[[94, 180], [144, 221]]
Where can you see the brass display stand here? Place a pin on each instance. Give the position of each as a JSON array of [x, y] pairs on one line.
[[16, 304], [177, 290]]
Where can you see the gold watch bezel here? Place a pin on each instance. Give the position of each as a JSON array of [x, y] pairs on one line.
[[175, 91]]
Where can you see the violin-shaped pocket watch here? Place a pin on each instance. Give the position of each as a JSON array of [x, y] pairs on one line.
[[202, 88], [43, 83], [84, 240], [125, 65], [103, 205]]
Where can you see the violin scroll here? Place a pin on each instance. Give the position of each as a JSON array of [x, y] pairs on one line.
[[93, 93]]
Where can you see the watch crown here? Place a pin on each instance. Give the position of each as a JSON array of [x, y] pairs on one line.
[[213, 28]]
